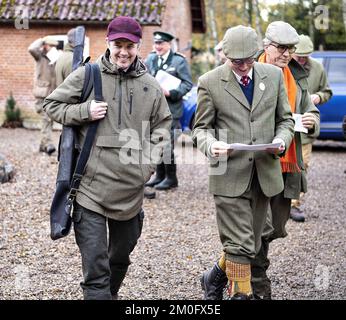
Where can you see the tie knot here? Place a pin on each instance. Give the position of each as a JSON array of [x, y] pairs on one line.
[[245, 80]]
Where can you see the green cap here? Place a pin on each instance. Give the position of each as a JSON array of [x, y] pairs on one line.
[[282, 32], [240, 42], [160, 36], [305, 46]]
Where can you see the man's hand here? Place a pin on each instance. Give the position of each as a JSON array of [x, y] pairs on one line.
[[277, 150], [219, 149], [98, 110], [308, 120], [315, 99], [166, 93]]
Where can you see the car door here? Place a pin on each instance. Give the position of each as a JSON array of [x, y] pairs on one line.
[[333, 111]]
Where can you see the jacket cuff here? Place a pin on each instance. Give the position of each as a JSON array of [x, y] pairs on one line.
[[174, 95], [84, 111]]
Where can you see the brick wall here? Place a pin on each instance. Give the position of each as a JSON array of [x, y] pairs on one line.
[[17, 65]]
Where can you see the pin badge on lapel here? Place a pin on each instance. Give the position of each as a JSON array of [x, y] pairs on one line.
[[262, 86], [164, 67]]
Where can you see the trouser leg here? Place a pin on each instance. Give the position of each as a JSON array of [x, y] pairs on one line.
[[46, 130], [279, 215], [306, 151], [91, 237], [171, 180], [123, 236], [241, 221]]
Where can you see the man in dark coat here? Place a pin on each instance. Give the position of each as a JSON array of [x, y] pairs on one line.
[[164, 58]]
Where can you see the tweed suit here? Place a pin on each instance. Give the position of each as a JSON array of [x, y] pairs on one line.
[[223, 113]]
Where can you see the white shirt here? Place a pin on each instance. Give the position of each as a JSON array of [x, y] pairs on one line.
[[164, 57], [250, 75]]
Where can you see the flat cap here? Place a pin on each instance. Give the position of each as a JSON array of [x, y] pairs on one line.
[[50, 41], [282, 33], [305, 46], [218, 47], [160, 36], [240, 42]]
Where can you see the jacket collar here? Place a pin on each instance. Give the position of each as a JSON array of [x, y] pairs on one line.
[[136, 69], [233, 88]]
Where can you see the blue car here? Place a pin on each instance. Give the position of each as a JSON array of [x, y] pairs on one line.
[[189, 109], [332, 112]]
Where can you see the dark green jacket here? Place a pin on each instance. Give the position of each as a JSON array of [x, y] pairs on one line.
[[128, 141], [177, 66]]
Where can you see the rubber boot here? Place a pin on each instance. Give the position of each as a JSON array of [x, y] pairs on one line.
[[117, 278], [160, 176], [171, 180]]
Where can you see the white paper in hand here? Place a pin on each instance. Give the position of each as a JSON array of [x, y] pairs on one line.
[[298, 126], [167, 81], [53, 55], [254, 147]]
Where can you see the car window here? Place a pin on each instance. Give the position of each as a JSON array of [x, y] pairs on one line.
[[337, 70]]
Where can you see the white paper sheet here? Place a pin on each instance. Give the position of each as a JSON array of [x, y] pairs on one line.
[[298, 126], [167, 81], [253, 147], [53, 55]]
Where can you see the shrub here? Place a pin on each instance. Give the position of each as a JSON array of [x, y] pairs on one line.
[[12, 114]]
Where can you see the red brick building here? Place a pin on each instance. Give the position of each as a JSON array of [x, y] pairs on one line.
[[21, 22]]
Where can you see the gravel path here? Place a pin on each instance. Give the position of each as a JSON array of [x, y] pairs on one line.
[[179, 238]]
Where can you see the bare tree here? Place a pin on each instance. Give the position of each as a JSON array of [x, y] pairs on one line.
[[211, 10], [258, 21]]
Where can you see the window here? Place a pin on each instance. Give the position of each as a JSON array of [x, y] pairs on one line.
[[337, 70]]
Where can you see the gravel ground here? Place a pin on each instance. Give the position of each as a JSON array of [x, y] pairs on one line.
[[179, 239]]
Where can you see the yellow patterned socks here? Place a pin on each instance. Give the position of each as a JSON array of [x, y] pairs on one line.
[[222, 262], [239, 276]]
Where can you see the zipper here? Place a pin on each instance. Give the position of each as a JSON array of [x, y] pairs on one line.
[[120, 101], [131, 98]]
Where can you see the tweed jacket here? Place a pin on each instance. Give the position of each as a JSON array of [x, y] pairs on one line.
[[223, 113]]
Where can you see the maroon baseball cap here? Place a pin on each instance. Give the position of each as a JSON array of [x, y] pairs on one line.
[[124, 28]]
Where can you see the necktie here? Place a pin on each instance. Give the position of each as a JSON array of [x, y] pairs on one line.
[[245, 80], [159, 62]]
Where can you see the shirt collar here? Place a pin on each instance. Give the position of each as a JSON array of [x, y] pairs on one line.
[[250, 75], [165, 56]]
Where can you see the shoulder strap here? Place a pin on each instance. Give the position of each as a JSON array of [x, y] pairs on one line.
[[95, 74]]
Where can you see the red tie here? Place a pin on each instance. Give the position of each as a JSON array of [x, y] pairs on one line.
[[245, 80]]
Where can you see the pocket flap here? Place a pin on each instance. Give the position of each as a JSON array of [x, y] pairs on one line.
[[115, 142]]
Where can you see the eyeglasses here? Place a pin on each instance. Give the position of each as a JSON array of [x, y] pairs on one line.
[[282, 48], [239, 62]]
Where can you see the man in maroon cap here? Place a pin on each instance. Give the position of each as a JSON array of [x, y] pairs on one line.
[[134, 127]]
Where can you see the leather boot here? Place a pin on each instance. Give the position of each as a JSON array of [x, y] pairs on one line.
[[171, 180], [160, 176], [297, 214], [213, 281]]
